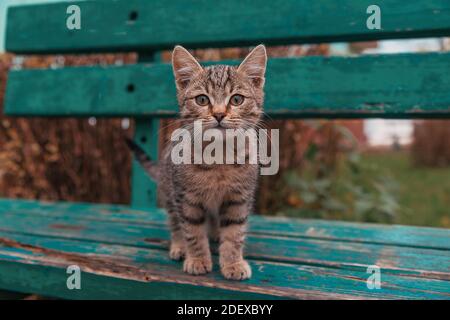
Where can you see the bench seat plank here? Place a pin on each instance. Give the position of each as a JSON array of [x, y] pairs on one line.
[[386, 86], [402, 265], [151, 25], [39, 263], [393, 235], [347, 255]]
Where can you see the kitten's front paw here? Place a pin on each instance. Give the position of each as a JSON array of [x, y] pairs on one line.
[[237, 271], [176, 252], [197, 266]]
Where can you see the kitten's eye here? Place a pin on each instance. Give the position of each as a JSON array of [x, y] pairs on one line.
[[202, 100], [237, 100]]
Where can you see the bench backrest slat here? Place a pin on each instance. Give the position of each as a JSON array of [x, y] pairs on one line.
[[389, 86], [125, 25]]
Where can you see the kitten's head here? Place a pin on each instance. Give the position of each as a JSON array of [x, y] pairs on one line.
[[221, 96]]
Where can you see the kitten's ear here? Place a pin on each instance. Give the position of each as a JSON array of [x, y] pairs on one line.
[[184, 66], [254, 65]]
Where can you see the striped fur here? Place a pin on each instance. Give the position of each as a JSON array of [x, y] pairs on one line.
[[150, 166], [210, 200]]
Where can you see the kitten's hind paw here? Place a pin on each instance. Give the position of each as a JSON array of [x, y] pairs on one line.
[[197, 266], [237, 271], [176, 252]]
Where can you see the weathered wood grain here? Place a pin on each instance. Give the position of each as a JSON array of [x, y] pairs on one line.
[[124, 269], [427, 263], [123, 256], [40, 265], [392, 235], [387, 86], [109, 25]]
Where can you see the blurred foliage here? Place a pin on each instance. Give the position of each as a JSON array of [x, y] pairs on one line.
[[431, 143], [334, 183], [423, 192]]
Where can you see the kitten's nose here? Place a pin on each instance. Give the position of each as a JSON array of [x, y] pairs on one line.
[[219, 116]]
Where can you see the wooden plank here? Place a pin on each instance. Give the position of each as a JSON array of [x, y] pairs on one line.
[[392, 235], [151, 25], [143, 189], [39, 265], [421, 263], [116, 271], [386, 86]]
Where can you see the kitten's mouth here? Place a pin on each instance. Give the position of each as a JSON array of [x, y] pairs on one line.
[[221, 126]]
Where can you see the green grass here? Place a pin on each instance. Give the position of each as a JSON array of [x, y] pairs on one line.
[[423, 193]]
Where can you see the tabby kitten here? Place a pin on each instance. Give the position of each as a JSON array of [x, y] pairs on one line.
[[211, 200]]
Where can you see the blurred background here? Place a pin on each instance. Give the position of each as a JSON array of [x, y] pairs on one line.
[[385, 171]]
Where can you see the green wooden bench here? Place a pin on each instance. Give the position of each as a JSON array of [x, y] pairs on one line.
[[122, 250]]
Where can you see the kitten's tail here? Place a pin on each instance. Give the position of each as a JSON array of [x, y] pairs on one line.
[[149, 166]]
